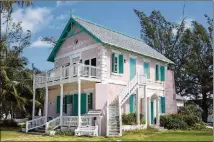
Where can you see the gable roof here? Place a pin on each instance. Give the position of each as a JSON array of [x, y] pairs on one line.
[[116, 39]]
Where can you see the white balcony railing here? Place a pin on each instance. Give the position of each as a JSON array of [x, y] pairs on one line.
[[38, 122], [67, 73]]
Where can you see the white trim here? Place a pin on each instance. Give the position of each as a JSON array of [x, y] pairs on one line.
[[144, 61], [133, 56], [116, 51], [78, 51], [111, 81]]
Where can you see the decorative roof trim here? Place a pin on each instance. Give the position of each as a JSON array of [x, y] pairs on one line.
[[63, 36]]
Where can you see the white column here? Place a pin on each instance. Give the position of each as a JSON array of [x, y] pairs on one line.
[[138, 106], [46, 103], [34, 99], [61, 102], [79, 102], [145, 106], [149, 111], [158, 111]]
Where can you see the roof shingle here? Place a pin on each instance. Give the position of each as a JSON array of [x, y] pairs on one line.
[[121, 40]]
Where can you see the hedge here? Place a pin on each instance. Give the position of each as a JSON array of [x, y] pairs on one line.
[[179, 121], [130, 119]]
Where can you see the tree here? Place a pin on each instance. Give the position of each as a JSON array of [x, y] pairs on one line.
[[189, 49]]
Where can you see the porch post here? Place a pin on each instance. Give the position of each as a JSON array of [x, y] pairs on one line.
[[79, 95], [138, 102], [79, 101], [145, 106], [61, 103], [158, 111], [46, 103], [46, 99], [34, 98]]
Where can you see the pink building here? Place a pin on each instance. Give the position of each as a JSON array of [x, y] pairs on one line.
[[101, 73]]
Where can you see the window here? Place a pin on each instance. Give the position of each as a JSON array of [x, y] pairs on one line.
[[147, 70], [117, 63], [160, 73]]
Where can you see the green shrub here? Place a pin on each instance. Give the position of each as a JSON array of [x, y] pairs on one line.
[[8, 123], [178, 121], [199, 126], [130, 119]]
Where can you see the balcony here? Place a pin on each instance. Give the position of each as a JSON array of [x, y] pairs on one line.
[[67, 74]]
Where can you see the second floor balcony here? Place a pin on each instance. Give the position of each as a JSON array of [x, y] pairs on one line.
[[67, 74]]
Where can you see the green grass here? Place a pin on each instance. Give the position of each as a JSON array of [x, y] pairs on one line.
[[11, 134]]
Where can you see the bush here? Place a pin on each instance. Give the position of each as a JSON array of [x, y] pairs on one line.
[[178, 121], [130, 119], [191, 109], [199, 126], [8, 123]]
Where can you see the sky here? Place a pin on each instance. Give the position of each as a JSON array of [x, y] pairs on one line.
[[49, 19]]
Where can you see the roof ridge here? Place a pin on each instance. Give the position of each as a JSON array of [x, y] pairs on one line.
[[107, 28]]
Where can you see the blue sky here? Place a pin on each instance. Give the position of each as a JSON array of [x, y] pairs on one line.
[[49, 19]]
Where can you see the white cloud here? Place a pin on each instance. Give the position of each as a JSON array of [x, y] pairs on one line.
[[56, 27], [40, 44], [62, 17], [33, 19], [187, 22], [64, 3]]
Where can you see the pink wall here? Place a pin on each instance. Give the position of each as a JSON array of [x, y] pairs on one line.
[[139, 68], [170, 94], [84, 40]]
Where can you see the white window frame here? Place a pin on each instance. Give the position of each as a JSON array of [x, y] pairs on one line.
[[116, 55]]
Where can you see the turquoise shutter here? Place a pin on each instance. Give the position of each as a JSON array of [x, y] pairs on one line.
[[162, 70], [131, 109], [163, 109], [121, 62], [157, 72], [112, 62], [58, 104], [83, 103]]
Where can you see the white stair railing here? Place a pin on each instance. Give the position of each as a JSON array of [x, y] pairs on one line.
[[35, 123], [126, 92], [54, 122]]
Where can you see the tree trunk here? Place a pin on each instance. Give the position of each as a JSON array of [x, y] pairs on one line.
[[204, 106]]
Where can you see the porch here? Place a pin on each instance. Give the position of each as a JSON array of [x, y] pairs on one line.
[[67, 74]]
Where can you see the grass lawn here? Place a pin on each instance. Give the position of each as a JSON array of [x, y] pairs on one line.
[[8, 134]]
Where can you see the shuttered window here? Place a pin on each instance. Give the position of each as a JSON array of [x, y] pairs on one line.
[[146, 70], [160, 73], [117, 63]]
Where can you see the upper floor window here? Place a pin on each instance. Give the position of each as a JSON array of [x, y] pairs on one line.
[[117, 63], [160, 73], [146, 70]]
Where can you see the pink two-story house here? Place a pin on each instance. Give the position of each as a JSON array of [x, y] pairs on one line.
[[100, 73]]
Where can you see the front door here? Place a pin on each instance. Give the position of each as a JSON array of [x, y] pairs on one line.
[[152, 112], [132, 99]]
